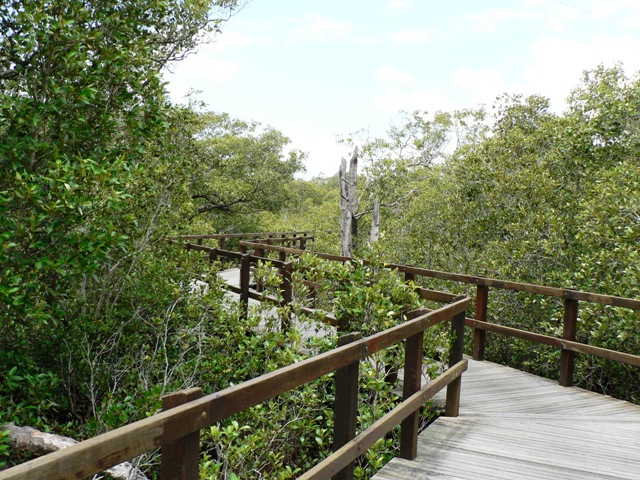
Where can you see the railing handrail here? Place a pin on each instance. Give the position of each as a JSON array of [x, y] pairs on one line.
[[217, 236], [99, 453], [569, 293], [567, 343]]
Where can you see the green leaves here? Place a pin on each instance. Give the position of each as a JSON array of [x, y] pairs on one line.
[[235, 167]]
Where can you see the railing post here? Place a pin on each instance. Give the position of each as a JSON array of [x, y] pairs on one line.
[[199, 241], [180, 459], [287, 294], [282, 256], [259, 253], [479, 336], [213, 255], [222, 243], [346, 405], [245, 274], [457, 350], [412, 383], [569, 330], [409, 277]]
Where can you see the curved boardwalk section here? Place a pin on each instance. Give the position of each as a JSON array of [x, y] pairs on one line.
[[514, 425]]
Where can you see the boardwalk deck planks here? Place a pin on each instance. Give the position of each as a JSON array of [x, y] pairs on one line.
[[514, 425]]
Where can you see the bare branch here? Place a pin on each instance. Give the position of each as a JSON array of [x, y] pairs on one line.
[[221, 206]]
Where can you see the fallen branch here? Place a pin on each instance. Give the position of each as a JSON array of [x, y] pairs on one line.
[[27, 439]]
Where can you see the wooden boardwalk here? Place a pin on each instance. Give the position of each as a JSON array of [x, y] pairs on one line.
[[514, 425]]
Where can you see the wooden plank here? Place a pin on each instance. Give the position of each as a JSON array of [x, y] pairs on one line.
[[556, 342], [398, 333], [514, 425], [218, 236], [435, 295], [523, 287]]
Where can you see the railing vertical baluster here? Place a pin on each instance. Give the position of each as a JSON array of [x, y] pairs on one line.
[[479, 336], [199, 241], [180, 459], [457, 350], [245, 273], [569, 330], [346, 405], [287, 294], [412, 383]]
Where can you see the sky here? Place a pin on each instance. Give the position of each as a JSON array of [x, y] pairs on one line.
[[318, 70]]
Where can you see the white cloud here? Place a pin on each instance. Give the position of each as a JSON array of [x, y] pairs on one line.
[[400, 5], [631, 22], [230, 39], [411, 36], [482, 86], [317, 28], [199, 73], [394, 75], [394, 99], [557, 63], [488, 21], [324, 152]]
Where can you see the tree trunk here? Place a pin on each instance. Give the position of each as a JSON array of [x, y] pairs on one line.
[[375, 222], [27, 439], [348, 184]]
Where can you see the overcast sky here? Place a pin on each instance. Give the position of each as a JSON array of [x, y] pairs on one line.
[[317, 69]]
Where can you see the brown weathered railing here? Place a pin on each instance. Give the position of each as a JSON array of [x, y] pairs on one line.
[[246, 261], [288, 238], [176, 428], [568, 344]]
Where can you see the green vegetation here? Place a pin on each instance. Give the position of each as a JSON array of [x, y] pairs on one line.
[[97, 168], [528, 195]]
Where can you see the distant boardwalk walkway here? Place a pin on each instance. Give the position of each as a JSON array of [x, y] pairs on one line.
[[514, 425]]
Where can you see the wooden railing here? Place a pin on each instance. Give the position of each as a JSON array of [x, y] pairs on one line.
[[273, 238], [176, 429], [567, 344], [246, 261]]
